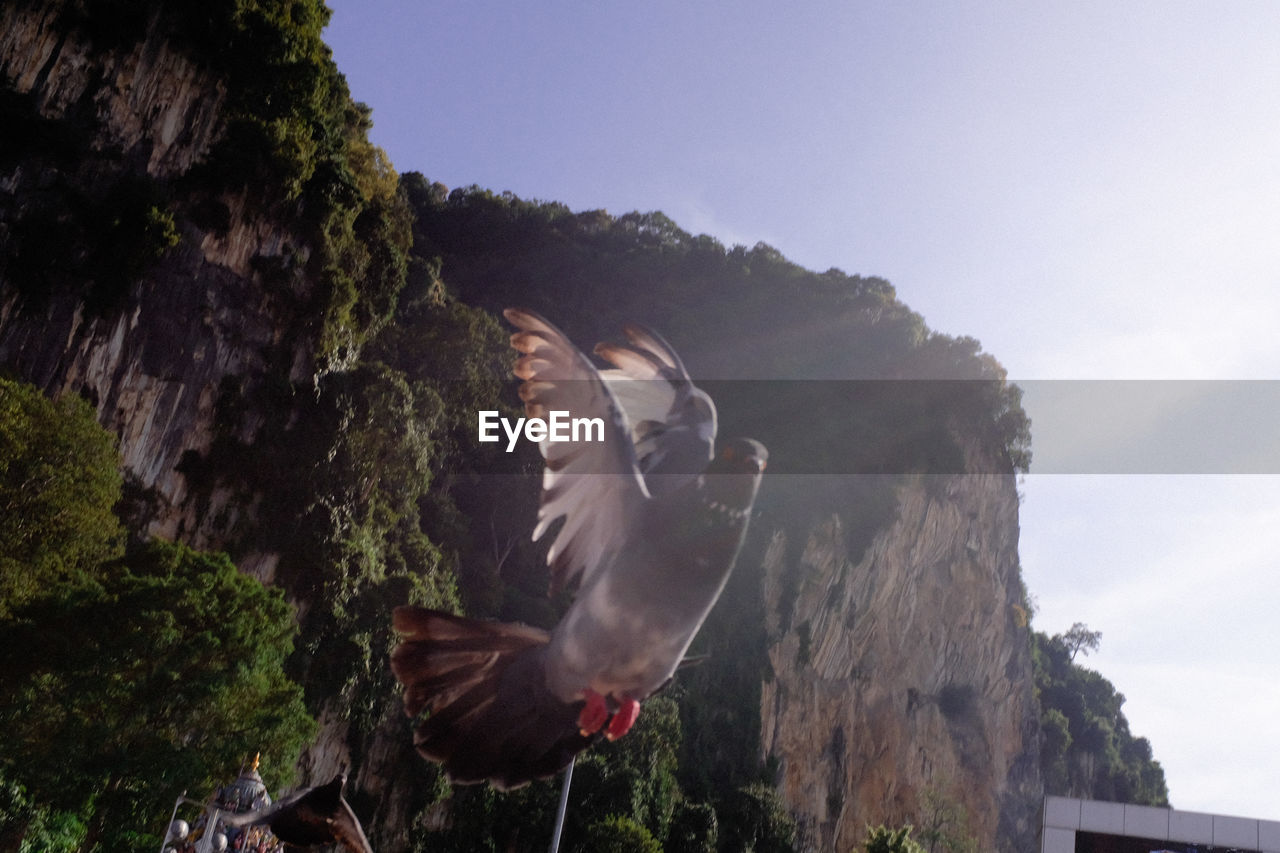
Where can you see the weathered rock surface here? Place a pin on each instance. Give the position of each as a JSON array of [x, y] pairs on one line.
[[906, 671], [154, 370], [150, 102]]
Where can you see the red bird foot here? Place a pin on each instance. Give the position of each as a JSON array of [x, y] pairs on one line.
[[623, 719], [593, 714]]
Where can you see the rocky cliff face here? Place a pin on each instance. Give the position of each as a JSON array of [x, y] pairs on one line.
[[148, 101], [154, 369], [903, 680], [156, 363]]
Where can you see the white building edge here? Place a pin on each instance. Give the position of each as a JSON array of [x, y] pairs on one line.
[[1066, 818]]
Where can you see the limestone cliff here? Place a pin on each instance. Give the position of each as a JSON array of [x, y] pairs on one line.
[[903, 675], [219, 337], [201, 314]]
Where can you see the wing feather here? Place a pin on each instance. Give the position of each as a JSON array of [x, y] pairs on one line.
[[672, 421], [596, 486]]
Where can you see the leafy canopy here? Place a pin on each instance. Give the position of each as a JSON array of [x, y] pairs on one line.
[[59, 478], [1087, 748], [160, 674]]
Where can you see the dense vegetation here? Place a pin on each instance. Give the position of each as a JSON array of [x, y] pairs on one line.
[[59, 478], [292, 146], [1087, 748], [122, 681]]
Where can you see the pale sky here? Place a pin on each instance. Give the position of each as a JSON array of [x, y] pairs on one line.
[[1091, 189]]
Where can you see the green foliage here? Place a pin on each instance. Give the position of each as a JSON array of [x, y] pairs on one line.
[[1087, 749], [881, 839], [59, 478], [97, 241], [720, 697], [137, 230], [631, 780], [343, 483], [298, 145], [754, 819], [624, 793], [482, 819], [144, 687], [358, 484], [28, 827], [944, 823], [362, 550], [619, 834], [694, 828], [1079, 639], [635, 776], [290, 140]]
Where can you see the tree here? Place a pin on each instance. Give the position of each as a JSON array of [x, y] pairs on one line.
[[755, 819], [694, 828], [944, 824], [160, 675], [620, 834], [1079, 638], [1087, 749], [59, 479]]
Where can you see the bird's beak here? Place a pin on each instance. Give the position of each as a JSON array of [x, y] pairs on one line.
[[751, 459]]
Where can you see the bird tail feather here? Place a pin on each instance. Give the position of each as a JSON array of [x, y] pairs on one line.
[[489, 715]]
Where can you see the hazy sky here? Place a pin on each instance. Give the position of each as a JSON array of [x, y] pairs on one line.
[[1092, 189]]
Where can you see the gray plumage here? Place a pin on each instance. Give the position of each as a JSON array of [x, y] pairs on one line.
[[652, 523]]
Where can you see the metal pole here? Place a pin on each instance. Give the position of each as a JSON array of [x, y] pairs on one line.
[[205, 844], [564, 802], [165, 840]]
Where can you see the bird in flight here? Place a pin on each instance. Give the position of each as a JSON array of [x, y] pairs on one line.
[[310, 818], [653, 519]]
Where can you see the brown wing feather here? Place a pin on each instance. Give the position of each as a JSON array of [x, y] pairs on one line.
[[490, 715], [312, 817]]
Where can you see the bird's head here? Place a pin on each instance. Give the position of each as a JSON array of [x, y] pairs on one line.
[[742, 456], [733, 477]]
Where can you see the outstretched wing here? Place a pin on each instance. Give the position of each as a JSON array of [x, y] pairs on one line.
[[310, 817], [596, 486], [672, 421], [491, 717]]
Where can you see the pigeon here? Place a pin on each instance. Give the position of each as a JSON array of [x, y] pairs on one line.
[[653, 519], [310, 818]]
